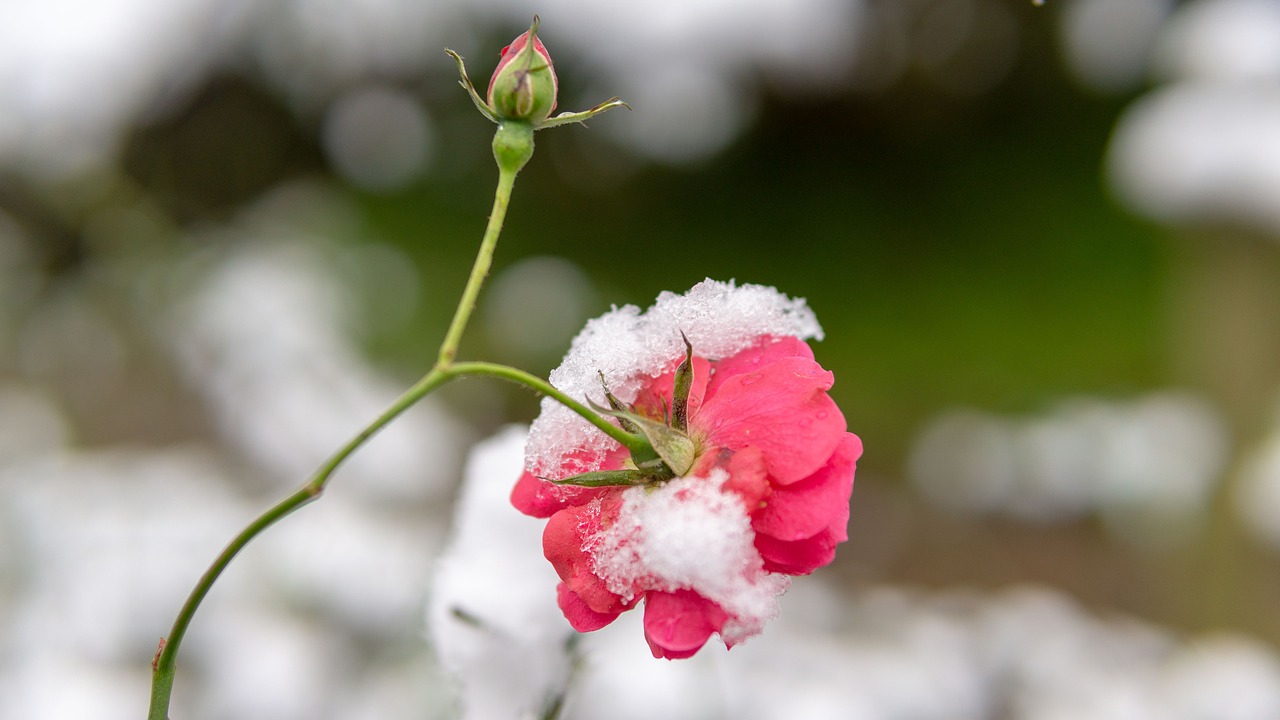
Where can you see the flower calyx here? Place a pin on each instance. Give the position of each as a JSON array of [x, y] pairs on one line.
[[524, 86], [661, 450]]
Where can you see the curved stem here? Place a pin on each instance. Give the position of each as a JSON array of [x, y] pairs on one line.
[[164, 666], [165, 663], [537, 384]]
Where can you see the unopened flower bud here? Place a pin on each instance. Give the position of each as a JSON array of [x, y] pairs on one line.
[[524, 85], [522, 96]]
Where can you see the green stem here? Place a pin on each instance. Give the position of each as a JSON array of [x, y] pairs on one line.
[[629, 440], [166, 660], [164, 666], [479, 270], [513, 144]]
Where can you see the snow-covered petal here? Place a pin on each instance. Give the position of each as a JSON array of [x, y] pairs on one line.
[[562, 542]]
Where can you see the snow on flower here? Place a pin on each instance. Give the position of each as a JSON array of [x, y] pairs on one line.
[[766, 497]]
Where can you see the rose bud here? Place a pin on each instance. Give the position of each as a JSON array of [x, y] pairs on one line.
[[524, 85]]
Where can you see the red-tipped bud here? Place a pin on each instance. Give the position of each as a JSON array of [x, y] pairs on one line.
[[522, 96], [524, 85]]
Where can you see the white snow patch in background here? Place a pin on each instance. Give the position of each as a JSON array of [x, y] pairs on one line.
[[691, 534], [260, 336], [1107, 43], [1257, 490], [276, 674], [98, 548], [76, 74], [1205, 147], [312, 558], [631, 346], [492, 613], [1147, 466], [378, 137], [620, 679], [1201, 152], [696, 82], [1222, 676], [894, 654], [1221, 41], [107, 545]]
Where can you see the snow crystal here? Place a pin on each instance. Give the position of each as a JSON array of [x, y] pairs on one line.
[[691, 534], [630, 346]]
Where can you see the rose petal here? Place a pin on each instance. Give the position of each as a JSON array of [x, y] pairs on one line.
[[540, 498], [579, 614], [562, 543], [748, 476], [677, 624], [816, 503], [799, 557], [781, 408], [765, 352]]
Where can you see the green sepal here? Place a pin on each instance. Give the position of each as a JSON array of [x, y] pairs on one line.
[[640, 447], [568, 118], [465, 82], [617, 404], [681, 387], [609, 478], [656, 469], [674, 447]]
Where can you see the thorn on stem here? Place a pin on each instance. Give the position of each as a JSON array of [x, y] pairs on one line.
[[155, 661]]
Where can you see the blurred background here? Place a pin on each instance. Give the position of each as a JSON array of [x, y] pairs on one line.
[[1043, 239]]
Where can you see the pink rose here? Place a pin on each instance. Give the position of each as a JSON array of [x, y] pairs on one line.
[[767, 498]]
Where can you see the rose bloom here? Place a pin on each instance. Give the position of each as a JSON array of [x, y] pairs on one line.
[[767, 498]]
